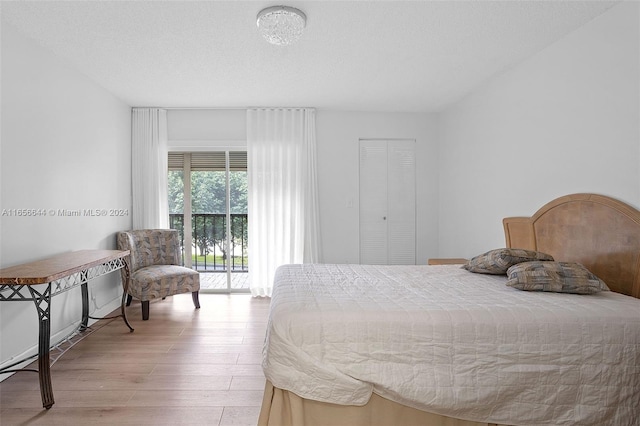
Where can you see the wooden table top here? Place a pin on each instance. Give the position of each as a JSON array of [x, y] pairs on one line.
[[57, 267]]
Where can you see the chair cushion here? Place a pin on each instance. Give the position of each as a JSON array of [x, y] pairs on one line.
[[156, 281]]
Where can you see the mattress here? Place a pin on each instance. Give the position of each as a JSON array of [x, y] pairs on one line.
[[447, 341]]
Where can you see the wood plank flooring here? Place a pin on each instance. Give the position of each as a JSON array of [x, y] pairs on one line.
[[182, 367]]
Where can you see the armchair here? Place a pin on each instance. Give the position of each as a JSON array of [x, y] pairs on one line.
[[154, 267]]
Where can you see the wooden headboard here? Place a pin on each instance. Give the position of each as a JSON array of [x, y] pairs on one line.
[[598, 231]]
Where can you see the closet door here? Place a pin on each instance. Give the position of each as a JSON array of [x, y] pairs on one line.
[[387, 202], [373, 202]]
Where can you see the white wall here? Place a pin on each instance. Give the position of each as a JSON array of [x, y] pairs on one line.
[[564, 121], [201, 127], [338, 134], [65, 145]]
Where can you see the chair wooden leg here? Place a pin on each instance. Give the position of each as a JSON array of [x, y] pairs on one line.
[[196, 300], [129, 299], [145, 310]]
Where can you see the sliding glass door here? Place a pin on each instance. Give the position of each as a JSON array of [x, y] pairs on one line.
[[208, 205]]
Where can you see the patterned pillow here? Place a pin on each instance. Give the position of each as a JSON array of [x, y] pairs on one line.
[[559, 277], [497, 261]]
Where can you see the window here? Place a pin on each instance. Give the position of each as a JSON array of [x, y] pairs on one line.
[[207, 194]]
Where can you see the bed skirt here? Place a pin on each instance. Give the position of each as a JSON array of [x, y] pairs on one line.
[[284, 408]]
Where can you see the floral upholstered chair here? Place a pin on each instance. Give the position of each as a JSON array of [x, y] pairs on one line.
[[154, 267]]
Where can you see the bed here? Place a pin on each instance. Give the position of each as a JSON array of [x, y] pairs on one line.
[[439, 345]]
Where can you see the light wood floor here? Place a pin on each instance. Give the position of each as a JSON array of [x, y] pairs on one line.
[[181, 367]]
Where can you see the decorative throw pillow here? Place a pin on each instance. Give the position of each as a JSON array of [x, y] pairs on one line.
[[499, 260], [559, 277]]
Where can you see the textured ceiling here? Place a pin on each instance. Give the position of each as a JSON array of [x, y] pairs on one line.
[[354, 55]]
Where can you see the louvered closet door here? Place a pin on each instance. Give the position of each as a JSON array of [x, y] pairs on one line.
[[373, 202], [401, 196], [387, 202]]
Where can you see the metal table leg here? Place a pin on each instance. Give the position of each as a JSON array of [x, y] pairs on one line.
[[85, 301], [43, 307], [125, 289]]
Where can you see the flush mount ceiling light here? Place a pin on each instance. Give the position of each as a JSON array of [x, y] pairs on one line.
[[281, 25]]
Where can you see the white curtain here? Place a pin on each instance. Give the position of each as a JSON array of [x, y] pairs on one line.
[[283, 196], [149, 168]]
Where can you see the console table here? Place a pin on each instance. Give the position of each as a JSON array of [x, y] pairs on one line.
[[39, 281]]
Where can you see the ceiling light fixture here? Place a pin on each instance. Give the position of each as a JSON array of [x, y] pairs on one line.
[[281, 25]]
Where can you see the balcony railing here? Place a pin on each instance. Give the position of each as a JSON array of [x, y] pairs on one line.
[[208, 233]]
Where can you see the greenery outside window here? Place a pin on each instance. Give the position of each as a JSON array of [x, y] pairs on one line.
[[210, 210]]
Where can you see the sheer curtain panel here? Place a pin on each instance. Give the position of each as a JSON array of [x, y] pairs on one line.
[[283, 195], [149, 168]]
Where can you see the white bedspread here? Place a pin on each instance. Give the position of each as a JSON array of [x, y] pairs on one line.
[[447, 341]]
